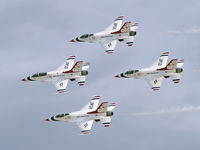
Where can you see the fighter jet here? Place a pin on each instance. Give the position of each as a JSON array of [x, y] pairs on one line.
[[63, 74], [159, 70], [88, 114], [113, 33]]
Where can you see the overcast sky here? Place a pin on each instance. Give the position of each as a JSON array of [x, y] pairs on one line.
[[34, 37]]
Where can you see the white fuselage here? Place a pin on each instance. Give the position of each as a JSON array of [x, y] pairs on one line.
[[54, 76], [102, 36], [80, 116], [150, 72]]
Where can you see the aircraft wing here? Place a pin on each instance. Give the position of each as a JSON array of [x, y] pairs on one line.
[[161, 62], [61, 85], [67, 65], [109, 46], [154, 83], [116, 25], [92, 105], [175, 77], [85, 126]]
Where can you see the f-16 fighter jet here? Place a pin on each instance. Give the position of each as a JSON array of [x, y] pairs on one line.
[[88, 114], [63, 74], [109, 37], [155, 73]]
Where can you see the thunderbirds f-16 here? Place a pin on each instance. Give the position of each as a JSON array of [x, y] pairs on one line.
[[159, 70], [109, 37], [63, 74], [88, 114]]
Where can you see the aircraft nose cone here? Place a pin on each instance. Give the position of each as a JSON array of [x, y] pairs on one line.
[[47, 119], [23, 79], [117, 76], [72, 40]]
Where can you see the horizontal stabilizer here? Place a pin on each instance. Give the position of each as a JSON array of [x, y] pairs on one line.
[[180, 63], [134, 27]]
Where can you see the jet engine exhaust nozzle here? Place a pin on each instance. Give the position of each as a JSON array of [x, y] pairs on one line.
[[179, 70], [109, 113], [84, 72]]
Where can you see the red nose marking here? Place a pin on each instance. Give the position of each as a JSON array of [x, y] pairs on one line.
[[47, 119], [72, 40], [24, 79], [117, 76]]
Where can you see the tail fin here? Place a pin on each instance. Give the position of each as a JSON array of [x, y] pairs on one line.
[[171, 65], [161, 62], [103, 107], [124, 29], [76, 68]]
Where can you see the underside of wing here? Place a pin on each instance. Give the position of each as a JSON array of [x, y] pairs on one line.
[[67, 65], [61, 85], [85, 126], [109, 46], [116, 25], [154, 83], [92, 105]]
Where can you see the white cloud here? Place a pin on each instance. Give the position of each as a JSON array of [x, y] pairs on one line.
[[170, 111], [186, 31]]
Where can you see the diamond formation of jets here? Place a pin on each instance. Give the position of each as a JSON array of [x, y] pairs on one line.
[[63, 74], [88, 114], [159, 70], [109, 37]]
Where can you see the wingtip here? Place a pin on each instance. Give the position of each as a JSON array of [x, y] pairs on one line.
[[121, 17], [72, 56], [97, 96], [88, 63], [166, 53], [61, 92]]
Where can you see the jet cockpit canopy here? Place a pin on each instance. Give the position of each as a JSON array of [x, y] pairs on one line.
[[84, 36], [131, 72], [39, 74], [61, 115]]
